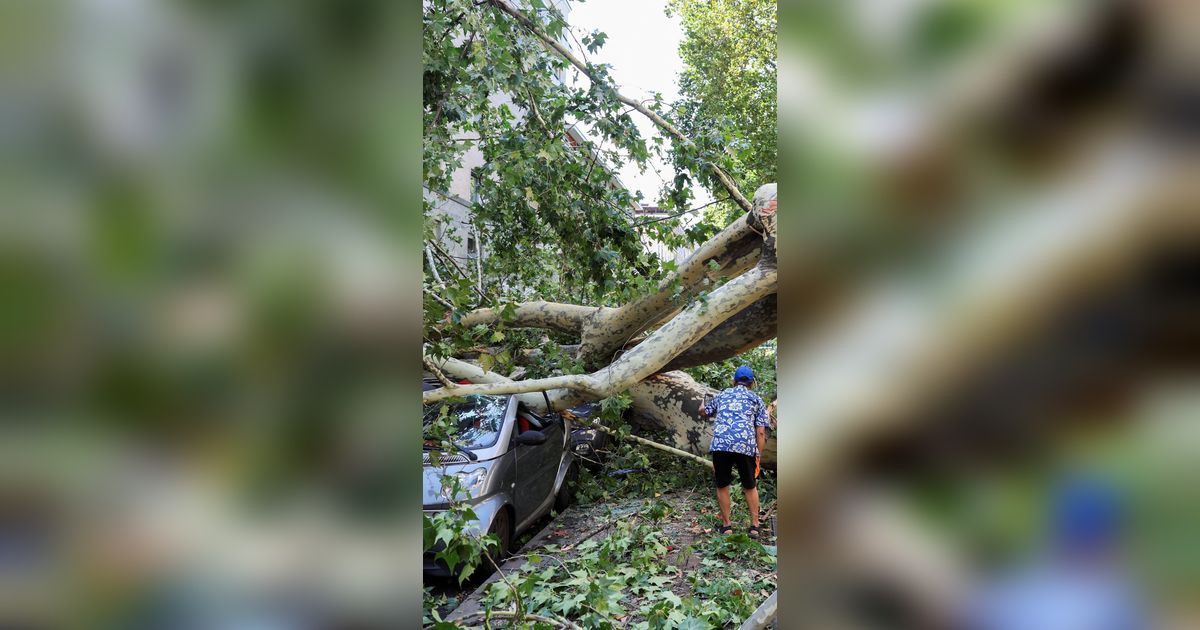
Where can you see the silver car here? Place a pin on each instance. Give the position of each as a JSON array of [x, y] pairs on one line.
[[515, 466]]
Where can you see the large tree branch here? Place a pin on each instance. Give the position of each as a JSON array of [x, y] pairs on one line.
[[469, 371], [743, 332], [587, 69], [651, 355], [567, 318], [734, 250]]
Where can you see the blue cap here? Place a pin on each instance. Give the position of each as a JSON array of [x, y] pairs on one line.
[[1086, 513], [743, 375]]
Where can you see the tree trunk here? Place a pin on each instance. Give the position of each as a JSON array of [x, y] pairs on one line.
[[669, 404], [750, 328]]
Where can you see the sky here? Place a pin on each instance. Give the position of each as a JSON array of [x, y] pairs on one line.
[[643, 49]]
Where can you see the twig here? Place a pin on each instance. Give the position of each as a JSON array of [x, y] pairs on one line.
[[433, 267], [517, 605], [510, 614], [603, 527], [441, 300], [683, 212], [448, 258], [548, 555], [478, 257], [462, 274], [537, 115], [436, 371], [640, 440]]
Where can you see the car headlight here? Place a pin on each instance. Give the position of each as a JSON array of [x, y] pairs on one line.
[[472, 481]]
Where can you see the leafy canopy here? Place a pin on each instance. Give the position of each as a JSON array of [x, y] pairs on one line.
[[539, 141], [727, 88], [558, 223]]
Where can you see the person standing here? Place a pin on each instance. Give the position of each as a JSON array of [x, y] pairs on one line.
[[1078, 581], [739, 434]]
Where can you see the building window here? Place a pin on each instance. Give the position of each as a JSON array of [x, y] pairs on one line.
[[472, 248]]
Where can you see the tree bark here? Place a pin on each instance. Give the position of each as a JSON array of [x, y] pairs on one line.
[[567, 318], [735, 250], [750, 328], [669, 404]]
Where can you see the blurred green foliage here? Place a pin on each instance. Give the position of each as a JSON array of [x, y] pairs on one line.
[[208, 228]]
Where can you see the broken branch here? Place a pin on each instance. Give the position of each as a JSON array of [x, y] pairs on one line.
[[640, 440]]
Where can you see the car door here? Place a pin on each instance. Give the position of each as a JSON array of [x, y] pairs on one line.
[[537, 466]]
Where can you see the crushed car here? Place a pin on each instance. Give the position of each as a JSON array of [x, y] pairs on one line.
[[514, 464]]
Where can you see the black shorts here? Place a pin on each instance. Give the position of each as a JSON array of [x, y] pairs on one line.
[[723, 463]]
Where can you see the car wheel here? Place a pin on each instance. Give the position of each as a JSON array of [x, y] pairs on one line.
[[502, 528], [566, 492]]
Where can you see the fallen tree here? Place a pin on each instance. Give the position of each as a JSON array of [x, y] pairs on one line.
[[713, 325], [495, 81]]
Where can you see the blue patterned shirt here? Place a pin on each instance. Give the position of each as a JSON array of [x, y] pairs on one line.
[[737, 411]]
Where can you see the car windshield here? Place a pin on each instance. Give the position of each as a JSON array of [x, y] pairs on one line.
[[478, 419]]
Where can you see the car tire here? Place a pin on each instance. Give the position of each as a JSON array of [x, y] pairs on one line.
[[566, 492], [502, 528]]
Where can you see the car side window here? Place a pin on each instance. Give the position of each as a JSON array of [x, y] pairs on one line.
[[532, 418]]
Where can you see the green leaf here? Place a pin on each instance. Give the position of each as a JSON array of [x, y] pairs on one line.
[[692, 623]]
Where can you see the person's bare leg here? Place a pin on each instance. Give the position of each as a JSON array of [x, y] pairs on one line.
[[752, 503], [723, 504]]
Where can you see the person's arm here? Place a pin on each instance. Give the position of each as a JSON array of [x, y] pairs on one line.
[[761, 421], [709, 407]]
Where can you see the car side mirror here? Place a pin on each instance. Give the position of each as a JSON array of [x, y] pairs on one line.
[[532, 437]]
